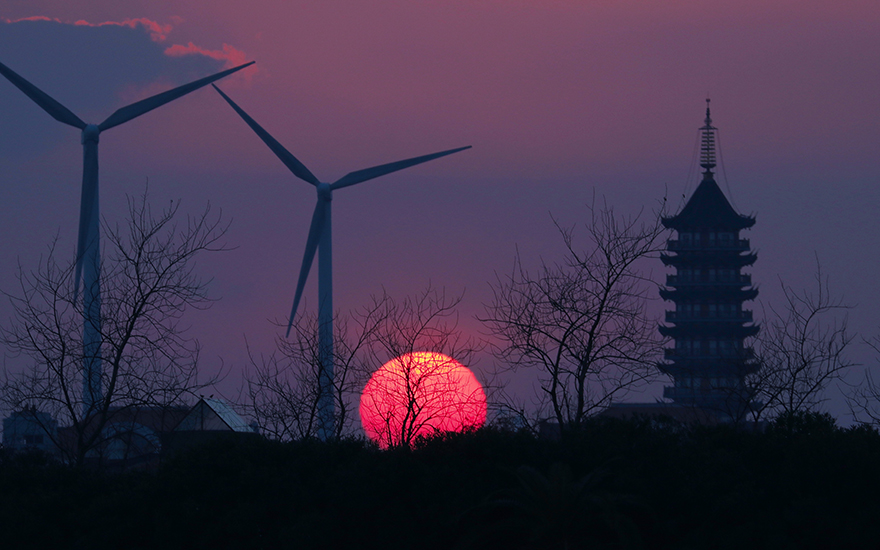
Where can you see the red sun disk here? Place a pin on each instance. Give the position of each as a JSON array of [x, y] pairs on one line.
[[420, 394]]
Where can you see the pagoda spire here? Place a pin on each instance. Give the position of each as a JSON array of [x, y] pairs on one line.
[[707, 144]]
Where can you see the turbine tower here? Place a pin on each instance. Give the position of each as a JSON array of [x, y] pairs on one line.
[[88, 260], [320, 239]]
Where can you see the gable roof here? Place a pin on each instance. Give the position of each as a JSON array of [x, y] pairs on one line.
[[211, 414]]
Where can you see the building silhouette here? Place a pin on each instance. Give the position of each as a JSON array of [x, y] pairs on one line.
[[709, 361], [30, 429], [131, 437]]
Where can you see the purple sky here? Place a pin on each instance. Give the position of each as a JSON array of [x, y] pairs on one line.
[[560, 99]]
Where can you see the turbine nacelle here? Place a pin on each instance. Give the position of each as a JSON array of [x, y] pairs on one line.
[[325, 192], [90, 133]]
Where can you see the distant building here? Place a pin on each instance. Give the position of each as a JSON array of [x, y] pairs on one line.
[[684, 414], [213, 415], [131, 436], [30, 429], [208, 420], [709, 360]]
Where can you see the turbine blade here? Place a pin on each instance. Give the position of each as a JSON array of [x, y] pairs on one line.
[[311, 247], [146, 105], [58, 111], [376, 171], [293, 164]]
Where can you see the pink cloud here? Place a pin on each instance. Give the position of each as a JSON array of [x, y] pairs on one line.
[[230, 55]]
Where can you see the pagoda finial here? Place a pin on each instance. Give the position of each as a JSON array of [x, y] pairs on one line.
[[707, 144]]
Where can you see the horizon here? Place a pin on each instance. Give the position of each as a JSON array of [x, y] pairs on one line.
[[561, 101]]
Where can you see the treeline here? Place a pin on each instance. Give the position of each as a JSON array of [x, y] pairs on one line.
[[801, 483]]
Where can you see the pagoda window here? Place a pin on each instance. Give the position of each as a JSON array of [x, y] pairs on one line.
[[686, 237]]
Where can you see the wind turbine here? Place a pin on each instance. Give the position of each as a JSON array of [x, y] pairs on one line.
[[88, 261], [320, 239]]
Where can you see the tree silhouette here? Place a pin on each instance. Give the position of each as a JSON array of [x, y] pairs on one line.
[[148, 281], [802, 348], [583, 323], [421, 396], [284, 388]]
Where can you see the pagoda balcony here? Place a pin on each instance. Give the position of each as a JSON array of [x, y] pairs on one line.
[[705, 292], [709, 329], [715, 258], [744, 354], [705, 280], [703, 316], [739, 245]]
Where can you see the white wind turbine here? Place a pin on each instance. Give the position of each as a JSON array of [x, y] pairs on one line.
[[88, 261], [320, 239]]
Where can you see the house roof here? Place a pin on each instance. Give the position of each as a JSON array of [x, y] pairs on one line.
[[213, 415]]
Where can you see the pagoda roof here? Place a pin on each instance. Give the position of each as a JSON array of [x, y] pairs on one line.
[[708, 208]]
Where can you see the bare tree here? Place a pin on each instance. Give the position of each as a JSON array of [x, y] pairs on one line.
[[426, 391], [148, 281], [583, 324], [864, 399], [284, 388], [801, 349]]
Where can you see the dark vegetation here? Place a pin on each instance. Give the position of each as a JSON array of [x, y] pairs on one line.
[[802, 483]]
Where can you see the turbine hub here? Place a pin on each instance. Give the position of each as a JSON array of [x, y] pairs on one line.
[[324, 192], [90, 133]]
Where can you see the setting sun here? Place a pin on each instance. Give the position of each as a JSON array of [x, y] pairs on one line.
[[420, 394]]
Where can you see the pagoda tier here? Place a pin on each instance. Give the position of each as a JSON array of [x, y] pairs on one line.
[[710, 360], [736, 364], [705, 292], [713, 258], [707, 329]]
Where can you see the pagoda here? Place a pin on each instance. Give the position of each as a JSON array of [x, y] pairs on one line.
[[710, 360]]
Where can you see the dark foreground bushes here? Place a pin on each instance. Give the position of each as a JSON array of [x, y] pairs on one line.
[[802, 483]]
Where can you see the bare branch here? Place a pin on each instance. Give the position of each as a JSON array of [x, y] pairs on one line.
[[583, 323], [148, 282], [802, 348]]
